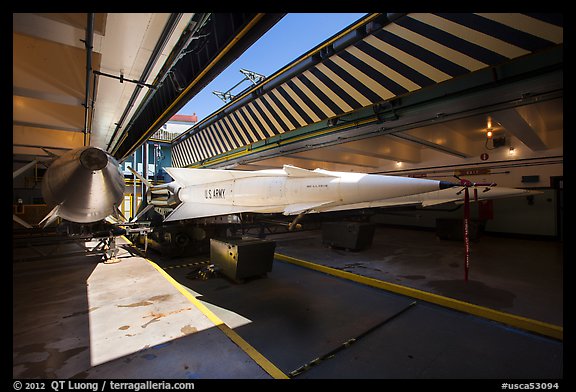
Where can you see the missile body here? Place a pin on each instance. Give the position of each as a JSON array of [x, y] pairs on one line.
[[83, 185], [282, 192], [291, 191]]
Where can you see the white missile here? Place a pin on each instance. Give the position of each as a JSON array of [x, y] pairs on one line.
[[295, 191]]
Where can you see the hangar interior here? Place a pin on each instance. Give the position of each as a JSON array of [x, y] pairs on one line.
[[418, 95]]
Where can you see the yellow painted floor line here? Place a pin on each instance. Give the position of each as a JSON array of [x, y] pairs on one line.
[[262, 361], [540, 327]]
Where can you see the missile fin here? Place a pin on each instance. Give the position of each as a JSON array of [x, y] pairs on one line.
[[428, 203], [140, 177], [23, 169], [50, 153], [196, 210], [188, 177], [144, 210], [21, 221], [51, 217], [427, 199], [294, 171], [294, 209], [118, 215]]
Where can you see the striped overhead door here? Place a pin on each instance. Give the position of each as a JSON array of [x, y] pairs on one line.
[[413, 52]]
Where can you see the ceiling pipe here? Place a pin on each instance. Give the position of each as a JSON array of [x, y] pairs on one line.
[[193, 27], [169, 28], [88, 44]]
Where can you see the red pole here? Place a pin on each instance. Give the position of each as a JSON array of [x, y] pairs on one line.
[[466, 233]]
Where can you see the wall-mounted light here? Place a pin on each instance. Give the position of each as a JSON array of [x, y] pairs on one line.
[[511, 151], [398, 164], [489, 132]]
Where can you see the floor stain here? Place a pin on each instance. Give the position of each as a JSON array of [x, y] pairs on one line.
[[157, 315], [136, 304], [124, 327], [188, 329], [160, 297], [150, 322], [150, 301]]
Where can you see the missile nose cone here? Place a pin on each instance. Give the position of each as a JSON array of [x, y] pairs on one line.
[[447, 184], [93, 159]]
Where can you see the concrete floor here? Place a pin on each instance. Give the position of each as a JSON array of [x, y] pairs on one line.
[[312, 313], [518, 276], [297, 315], [77, 317]]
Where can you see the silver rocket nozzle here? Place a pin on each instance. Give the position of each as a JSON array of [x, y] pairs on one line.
[[93, 159]]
